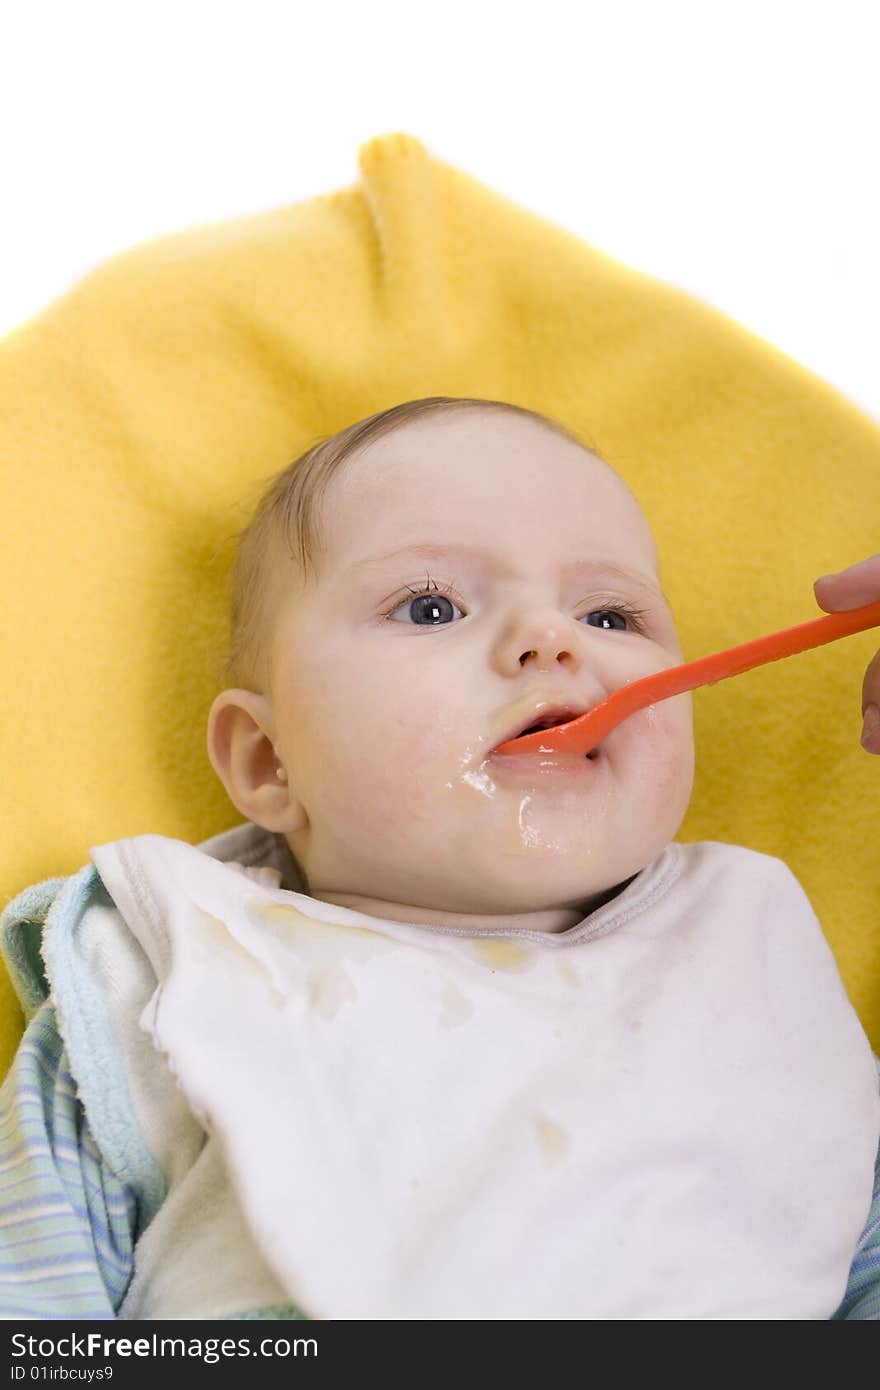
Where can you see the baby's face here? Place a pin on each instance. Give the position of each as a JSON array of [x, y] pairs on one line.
[[387, 705]]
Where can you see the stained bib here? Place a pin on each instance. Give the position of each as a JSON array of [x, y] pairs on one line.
[[669, 1110]]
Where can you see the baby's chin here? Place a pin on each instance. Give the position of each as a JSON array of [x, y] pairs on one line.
[[536, 912], [552, 874]]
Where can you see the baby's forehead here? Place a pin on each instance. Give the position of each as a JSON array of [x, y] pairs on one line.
[[416, 467], [493, 483]]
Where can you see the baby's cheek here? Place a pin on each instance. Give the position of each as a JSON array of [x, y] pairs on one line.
[[358, 798], [670, 737], [388, 776], [660, 743], [423, 758]]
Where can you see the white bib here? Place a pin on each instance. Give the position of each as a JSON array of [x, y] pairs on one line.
[[667, 1111]]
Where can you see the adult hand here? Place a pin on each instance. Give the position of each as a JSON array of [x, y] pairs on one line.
[[851, 588]]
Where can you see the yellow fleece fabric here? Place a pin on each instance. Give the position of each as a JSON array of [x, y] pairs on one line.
[[142, 411]]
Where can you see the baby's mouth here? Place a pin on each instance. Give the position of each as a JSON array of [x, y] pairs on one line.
[[554, 719], [553, 753]]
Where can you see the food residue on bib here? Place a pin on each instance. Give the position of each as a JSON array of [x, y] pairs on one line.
[[507, 954], [554, 1140]]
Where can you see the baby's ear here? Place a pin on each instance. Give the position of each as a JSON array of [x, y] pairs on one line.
[[240, 746]]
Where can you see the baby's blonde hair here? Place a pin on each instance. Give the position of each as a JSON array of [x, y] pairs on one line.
[[289, 509]]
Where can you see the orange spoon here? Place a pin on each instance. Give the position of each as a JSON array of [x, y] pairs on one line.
[[584, 733]]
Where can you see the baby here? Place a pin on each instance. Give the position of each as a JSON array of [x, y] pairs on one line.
[[440, 1032]]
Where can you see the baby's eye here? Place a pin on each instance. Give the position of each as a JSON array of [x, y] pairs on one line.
[[427, 608], [603, 614]]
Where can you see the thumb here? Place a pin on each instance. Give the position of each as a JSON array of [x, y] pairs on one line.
[[849, 588]]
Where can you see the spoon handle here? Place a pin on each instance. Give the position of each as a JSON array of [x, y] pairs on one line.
[[584, 733]]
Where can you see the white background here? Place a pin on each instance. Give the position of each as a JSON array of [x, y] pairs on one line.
[[729, 148]]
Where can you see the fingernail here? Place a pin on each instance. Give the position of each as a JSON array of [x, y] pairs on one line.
[[871, 729]]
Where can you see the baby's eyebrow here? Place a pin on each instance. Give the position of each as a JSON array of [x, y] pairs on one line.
[[431, 551]]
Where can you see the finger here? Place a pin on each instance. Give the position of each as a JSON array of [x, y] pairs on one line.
[[850, 588], [871, 707]]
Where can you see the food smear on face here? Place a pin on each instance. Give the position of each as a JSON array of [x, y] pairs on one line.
[[525, 812]]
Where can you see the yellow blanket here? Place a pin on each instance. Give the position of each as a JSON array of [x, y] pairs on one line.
[[142, 411]]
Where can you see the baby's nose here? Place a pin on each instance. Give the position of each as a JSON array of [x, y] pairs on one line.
[[540, 636], [550, 641], [546, 655]]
